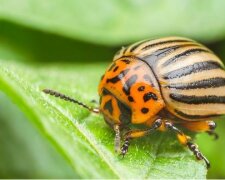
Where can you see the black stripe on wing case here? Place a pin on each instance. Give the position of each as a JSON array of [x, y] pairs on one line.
[[183, 54], [210, 99], [193, 68], [112, 66], [190, 116], [120, 52], [118, 77], [135, 46], [153, 57], [163, 42], [205, 83], [158, 54]]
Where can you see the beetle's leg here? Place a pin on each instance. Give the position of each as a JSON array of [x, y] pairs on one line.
[[136, 133], [186, 140], [202, 126], [213, 133], [116, 128]]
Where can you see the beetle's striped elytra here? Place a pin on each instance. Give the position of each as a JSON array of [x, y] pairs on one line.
[[161, 83]]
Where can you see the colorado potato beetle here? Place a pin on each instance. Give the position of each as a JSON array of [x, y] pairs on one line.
[[161, 83]]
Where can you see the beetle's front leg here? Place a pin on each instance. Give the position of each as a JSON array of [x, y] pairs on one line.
[[138, 133], [116, 128]]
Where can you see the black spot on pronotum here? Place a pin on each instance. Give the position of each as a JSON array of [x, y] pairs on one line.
[[141, 88], [105, 92], [149, 96], [115, 69], [117, 78], [144, 110], [130, 98], [112, 66], [126, 61], [108, 106], [113, 80], [127, 85]]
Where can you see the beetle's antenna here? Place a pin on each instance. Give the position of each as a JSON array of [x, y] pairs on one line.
[[67, 98]]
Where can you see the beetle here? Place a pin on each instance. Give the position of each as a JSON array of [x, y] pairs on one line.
[[161, 83]]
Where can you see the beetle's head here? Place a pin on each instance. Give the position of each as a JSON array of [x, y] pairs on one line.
[[114, 110], [126, 96]]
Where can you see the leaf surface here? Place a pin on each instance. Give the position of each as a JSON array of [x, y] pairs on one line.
[[83, 139], [25, 152], [115, 22]]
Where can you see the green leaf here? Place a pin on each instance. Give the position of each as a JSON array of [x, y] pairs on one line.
[[24, 152], [17, 42], [83, 139], [116, 21], [214, 150]]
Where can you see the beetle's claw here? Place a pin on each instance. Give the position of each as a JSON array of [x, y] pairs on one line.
[[200, 156], [212, 133], [123, 153], [124, 148], [207, 162], [194, 148]]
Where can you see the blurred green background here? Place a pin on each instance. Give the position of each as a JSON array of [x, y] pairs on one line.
[[89, 31]]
